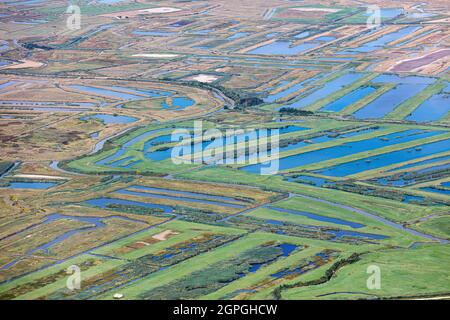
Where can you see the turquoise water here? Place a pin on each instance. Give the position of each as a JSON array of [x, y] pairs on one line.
[[110, 119], [432, 109], [387, 159], [346, 149], [329, 88], [349, 99]]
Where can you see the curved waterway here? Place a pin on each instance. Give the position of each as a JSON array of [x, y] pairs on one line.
[[373, 216], [94, 224]]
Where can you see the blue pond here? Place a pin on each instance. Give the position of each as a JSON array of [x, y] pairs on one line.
[[285, 247], [346, 149], [385, 39], [415, 164], [178, 103], [387, 159], [127, 145], [110, 119], [316, 181], [412, 199], [329, 88], [432, 109], [238, 35], [347, 100], [154, 33], [274, 97], [104, 202], [166, 154], [283, 48], [178, 198], [185, 193], [436, 190], [122, 93], [387, 102], [319, 217], [31, 185]]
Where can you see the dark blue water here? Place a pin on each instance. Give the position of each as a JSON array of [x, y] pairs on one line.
[[446, 184], [346, 149], [412, 199], [349, 99], [275, 222], [317, 217], [436, 190], [387, 159], [416, 164]]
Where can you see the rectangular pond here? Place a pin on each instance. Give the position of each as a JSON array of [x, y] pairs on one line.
[[346, 149], [178, 198], [329, 88], [30, 185], [284, 48], [349, 99], [380, 42], [386, 159], [432, 109], [388, 101], [317, 217]]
